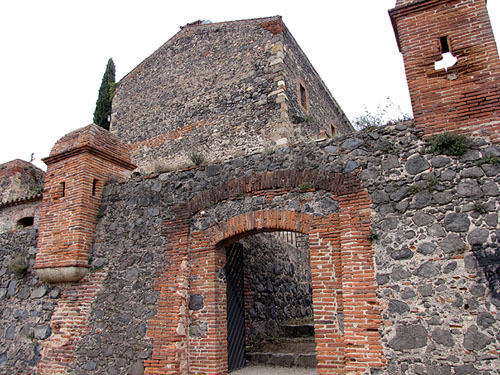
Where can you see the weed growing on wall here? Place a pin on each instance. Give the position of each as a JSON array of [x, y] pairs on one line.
[[449, 144], [162, 166], [387, 113], [18, 266], [196, 158], [373, 236]]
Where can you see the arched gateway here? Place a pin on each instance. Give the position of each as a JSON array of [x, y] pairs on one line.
[[342, 268]]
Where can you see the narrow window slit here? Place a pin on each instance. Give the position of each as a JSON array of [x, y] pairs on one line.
[[94, 186], [26, 222], [333, 129], [303, 96], [445, 44], [62, 189]]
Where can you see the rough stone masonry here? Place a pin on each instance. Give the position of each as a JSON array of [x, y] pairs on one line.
[[435, 234]]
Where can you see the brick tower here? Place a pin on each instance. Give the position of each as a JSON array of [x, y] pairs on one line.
[[452, 65], [77, 168]]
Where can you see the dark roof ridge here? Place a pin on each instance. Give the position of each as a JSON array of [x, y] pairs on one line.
[[200, 22], [22, 200]]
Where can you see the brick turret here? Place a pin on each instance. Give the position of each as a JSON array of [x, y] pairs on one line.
[[462, 95], [77, 167]]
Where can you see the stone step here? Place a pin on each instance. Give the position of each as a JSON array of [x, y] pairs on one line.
[[285, 352], [307, 360], [297, 330]]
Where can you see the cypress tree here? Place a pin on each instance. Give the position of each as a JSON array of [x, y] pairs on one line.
[[102, 113]]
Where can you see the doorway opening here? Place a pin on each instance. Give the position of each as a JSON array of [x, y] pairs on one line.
[[269, 301]]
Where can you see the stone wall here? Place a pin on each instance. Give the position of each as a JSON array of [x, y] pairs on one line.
[[26, 305], [322, 112], [435, 217], [184, 99], [277, 284], [435, 234], [11, 213], [129, 249], [437, 254]]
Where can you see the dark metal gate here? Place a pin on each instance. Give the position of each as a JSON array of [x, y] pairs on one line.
[[235, 307]]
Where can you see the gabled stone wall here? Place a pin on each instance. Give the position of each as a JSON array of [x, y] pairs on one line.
[[218, 90]]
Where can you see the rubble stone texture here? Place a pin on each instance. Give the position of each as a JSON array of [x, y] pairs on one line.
[[21, 186]]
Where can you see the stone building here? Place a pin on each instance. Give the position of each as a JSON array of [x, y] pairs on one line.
[[222, 90], [21, 185], [131, 273]]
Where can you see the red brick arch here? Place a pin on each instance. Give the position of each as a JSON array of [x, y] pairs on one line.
[[342, 267]]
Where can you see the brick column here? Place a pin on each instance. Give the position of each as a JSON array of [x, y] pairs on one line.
[[326, 272], [362, 319], [168, 328]]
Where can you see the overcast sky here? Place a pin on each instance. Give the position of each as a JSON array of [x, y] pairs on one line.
[[54, 54]]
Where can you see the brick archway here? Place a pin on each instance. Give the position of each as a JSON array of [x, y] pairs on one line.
[[342, 268]]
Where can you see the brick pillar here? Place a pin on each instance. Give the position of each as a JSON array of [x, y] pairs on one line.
[[77, 168], [464, 97]]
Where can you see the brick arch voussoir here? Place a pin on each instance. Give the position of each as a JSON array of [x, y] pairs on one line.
[[293, 179], [266, 220]]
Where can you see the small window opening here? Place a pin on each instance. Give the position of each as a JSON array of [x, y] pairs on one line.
[[303, 96], [62, 189], [447, 58], [94, 187], [26, 222], [445, 44], [333, 130]]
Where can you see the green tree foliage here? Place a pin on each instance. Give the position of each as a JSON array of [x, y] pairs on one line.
[[102, 113]]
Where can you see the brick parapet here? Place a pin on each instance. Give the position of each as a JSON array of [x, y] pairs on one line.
[[90, 137]]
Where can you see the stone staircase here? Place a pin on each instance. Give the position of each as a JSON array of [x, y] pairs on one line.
[[294, 348]]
